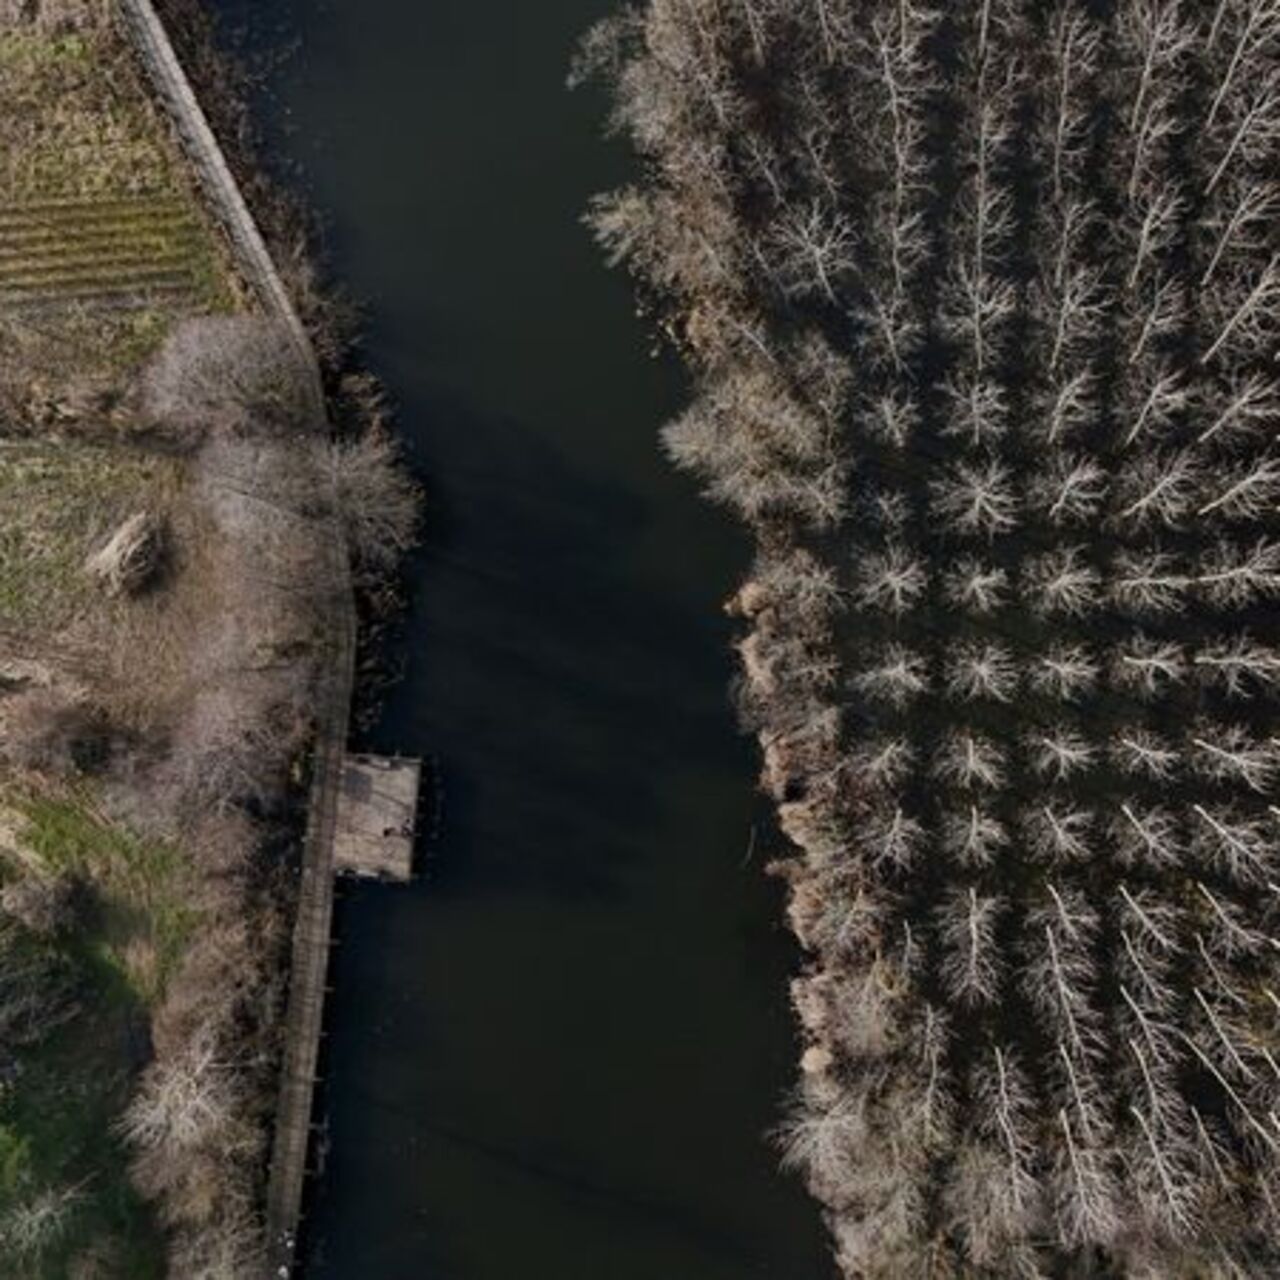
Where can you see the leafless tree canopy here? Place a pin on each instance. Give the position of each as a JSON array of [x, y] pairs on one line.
[[981, 304], [228, 374], [377, 501]]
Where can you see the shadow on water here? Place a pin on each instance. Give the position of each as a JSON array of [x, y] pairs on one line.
[[555, 1056]]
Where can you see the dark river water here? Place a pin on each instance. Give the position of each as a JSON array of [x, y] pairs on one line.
[[556, 1056]]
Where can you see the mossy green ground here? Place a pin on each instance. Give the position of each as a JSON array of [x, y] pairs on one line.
[[58, 1116]]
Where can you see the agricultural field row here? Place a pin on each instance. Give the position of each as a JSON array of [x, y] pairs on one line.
[[119, 252], [100, 218]]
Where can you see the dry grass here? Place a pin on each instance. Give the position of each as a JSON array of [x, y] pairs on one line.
[[76, 122], [103, 239], [104, 245], [58, 503]]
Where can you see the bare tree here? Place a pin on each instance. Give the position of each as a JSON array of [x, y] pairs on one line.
[[972, 964], [1060, 753], [1146, 837], [973, 836], [1071, 488], [185, 1104], [972, 584], [1237, 221], [814, 246], [1064, 671], [981, 670], [1156, 398], [1159, 488], [233, 374], [1141, 753], [899, 676], [1249, 405], [1060, 980], [994, 1192], [1249, 492], [1068, 407], [893, 580], [1239, 845], [894, 418], [1148, 582], [32, 1225], [1232, 575], [968, 760], [891, 839], [979, 409], [791, 581], [1149, 667], [884, 762], [377, 501], [1063, 582], [1239, 664], [1059, 833], [1231, 753], [977, 499], [1246, 322]]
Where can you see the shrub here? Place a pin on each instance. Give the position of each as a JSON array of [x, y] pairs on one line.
[[52, 733], [229, 375], [378, 502]]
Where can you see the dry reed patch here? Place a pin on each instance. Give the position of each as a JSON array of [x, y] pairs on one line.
[[58, 502]]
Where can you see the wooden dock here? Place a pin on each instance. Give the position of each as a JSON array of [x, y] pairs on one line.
[[304, 1017], [377, 817]]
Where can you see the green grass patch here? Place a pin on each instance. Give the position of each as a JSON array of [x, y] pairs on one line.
[[143, 919], [60, 1104], [57, 1140]]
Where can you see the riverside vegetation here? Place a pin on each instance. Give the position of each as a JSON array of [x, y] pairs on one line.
[[981, 304], [169, 489]]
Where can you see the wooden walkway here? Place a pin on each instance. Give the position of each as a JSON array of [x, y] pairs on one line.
[[304, 1019], [304, 1016]]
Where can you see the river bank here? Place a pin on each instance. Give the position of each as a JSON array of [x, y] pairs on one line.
[[576, 1026], [178, 489]]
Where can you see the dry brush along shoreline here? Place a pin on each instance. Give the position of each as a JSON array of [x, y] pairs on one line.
[[981, 304], [168, 494]]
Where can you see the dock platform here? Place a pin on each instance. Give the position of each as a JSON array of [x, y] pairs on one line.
[[377, 814]]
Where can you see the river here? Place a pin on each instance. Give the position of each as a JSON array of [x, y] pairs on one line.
[[557, 1054]]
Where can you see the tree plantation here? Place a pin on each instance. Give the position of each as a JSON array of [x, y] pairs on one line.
[[981, 302]]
